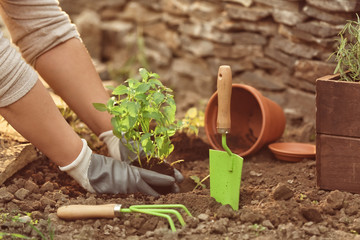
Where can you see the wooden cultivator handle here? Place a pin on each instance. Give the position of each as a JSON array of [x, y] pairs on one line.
[[73, 212], [224, 87]]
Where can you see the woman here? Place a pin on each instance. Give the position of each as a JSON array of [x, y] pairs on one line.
[[51, 47]]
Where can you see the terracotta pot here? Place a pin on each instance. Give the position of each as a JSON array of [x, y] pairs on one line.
[[255, 121]]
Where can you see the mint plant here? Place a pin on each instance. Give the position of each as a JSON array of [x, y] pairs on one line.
[[136, 106]]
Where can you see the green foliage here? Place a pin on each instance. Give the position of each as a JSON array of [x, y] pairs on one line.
[[192, 121], [137, 106], [347, 54], [199, 183], [302, 197], [25, 219], [258, 228]]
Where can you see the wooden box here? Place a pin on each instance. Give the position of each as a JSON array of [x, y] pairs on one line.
[[338, 134]]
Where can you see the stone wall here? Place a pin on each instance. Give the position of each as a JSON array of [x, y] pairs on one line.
[[278, 46]]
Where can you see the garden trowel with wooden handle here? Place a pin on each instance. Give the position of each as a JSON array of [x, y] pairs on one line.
[[225, 166]]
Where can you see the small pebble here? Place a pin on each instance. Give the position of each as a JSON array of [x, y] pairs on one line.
[[5, 195], [282, 192], [47, 187], [225, 211], [31, 186], [255, 174], [203, 217], [108, 229], [266, 223], [21, 194], [47, 201]]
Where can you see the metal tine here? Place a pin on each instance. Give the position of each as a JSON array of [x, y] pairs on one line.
[[158, 214], [160, 210], [164, 206], [170, 211]]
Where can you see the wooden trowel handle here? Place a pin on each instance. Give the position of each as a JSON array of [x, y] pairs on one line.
[[224, 87], [73, 212]]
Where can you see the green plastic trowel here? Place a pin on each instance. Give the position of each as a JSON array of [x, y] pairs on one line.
[[225, 166]]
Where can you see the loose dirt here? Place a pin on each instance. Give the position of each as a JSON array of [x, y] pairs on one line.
[[278, 200]]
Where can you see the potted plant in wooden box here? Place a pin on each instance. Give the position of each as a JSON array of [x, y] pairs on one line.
[[144, 115], [338, 116]]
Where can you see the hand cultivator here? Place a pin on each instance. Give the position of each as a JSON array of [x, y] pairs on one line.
[[74, 212]]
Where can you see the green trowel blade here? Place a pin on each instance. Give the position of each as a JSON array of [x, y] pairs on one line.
[[225, 177]]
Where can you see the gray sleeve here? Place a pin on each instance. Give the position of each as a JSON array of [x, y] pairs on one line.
[[16, 76], [36, 26]]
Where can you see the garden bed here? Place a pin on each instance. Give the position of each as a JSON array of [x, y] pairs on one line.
[[279, 200]]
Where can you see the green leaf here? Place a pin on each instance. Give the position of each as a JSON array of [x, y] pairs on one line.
[[14, 235], [117, 110], [120, 90], [132, 108], [169, 113], [146, 143], [143, 87], [155, 82], [196, 179], [127, 123], [170, 100], [145, 136], [144, 73], [116, 123], [100, 106], [168, 90], [159, 142], [154, 75], [110, 103], [164, 146], [141, 97], [158, 97], [153, 114], [171, 132], [161, 130], [133, 83]]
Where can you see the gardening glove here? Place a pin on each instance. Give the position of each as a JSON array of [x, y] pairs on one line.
[[119, 151], [100, 174]]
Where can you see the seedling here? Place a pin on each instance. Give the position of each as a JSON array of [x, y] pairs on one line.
[[144, 112], [302, 197], [258, 228], [199, 183]]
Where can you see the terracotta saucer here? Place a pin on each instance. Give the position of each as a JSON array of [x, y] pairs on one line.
[[288, 158], [292, 151]]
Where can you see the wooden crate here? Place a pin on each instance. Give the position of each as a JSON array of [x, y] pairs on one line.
[[338, 134]]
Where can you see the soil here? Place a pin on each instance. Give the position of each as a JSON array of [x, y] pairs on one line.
[[278, 200], [159, 166]]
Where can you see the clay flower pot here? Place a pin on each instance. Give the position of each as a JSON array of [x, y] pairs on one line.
[[255, 121]]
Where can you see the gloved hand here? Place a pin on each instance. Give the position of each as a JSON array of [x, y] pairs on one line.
[[119, 151], [116, 148], [100, 174]]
